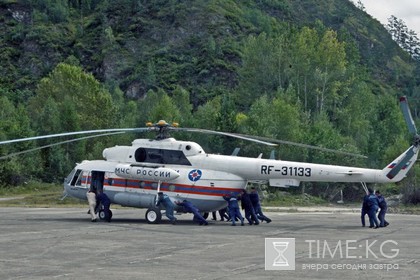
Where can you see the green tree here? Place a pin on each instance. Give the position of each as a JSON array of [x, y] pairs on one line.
[[278, 119], [302, 67], [207, 117], [388, 125], [158, 106], [68, 84], [126, 114], [331, 61], [70, 100], [357, 126], [15, 124], [322, 133], [264, 67], [405, 38], [181, 99]]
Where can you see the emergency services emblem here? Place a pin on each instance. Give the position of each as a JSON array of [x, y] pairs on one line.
[[195, 175]]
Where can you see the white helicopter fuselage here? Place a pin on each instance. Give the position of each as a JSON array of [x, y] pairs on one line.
[[132, 175]]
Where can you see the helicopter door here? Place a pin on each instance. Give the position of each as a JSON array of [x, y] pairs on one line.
[[97, 181]]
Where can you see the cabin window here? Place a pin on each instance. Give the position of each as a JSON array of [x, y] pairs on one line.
[[161, 156], [140, 155]]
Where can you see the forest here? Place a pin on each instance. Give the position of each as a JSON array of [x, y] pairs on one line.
[[319, 73]]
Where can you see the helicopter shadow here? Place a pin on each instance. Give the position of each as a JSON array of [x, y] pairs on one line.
[[116, 221]]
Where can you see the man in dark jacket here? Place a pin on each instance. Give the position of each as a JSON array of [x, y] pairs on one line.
[[365, 209], [190, 208], [234, 211], [168, 204], [373, 205], [384, 207], [249, 209], [255, 200]]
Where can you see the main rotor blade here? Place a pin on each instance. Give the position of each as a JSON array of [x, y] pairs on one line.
[[234, 135], [74, 133], [305, 146], [59, 143], [394, 171], [407, 115]]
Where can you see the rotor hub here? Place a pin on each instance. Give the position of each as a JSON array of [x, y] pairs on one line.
[[162, 128]]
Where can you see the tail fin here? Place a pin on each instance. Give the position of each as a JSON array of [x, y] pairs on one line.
[[398, 168]]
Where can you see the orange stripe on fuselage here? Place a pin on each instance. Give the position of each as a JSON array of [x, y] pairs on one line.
[[179, 188]]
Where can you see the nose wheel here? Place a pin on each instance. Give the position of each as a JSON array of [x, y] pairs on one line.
[[153, 216], [102, 215]]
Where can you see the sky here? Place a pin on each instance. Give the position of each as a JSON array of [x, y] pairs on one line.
[[407, 10]]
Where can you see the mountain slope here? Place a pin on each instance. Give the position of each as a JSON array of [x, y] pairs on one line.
[[160, 44]]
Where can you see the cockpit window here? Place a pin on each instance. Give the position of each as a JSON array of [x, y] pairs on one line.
[[161, 156], [77, 178]]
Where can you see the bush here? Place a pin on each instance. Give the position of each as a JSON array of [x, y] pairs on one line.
[[411, 195]]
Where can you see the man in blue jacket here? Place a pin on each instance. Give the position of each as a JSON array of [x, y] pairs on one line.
[[190, 208], [249, 209], [373, 205], [255, 200], [384, 207], [168, 204], [234, 210]]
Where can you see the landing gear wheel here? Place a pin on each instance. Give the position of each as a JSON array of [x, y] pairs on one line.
[[153, 216], [206, 215], [102, 215]]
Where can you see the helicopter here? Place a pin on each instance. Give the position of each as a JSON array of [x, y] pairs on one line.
[[133, 175]]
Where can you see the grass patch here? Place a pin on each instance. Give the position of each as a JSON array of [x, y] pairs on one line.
[[285, 199], [405, 209], [36, 194]]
